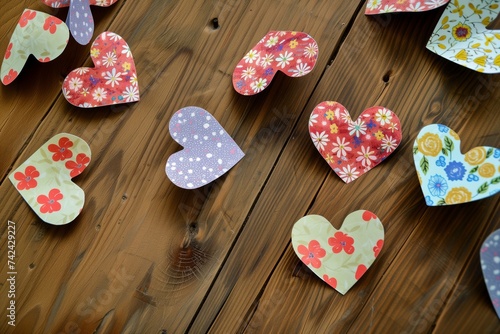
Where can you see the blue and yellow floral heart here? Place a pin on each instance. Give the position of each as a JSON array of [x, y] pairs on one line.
[[449, 177]]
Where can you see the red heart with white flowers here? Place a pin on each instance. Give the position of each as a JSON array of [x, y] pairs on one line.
[[352, 148], [113, 80]]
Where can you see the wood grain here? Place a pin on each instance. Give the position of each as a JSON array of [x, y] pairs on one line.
[[147, 257]]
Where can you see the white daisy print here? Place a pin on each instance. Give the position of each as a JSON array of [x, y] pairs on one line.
[[341, 147], [366, 156], [113, 77], [99, 94], [311, 50], [284, 59], [320, 140], [383, 116], [248, 73], [348, 174], [272, 41], [252, 56], [388, 144], [131, 94], [267, 60], [313, 119], [259, 85], [75, 84], [301, 70], [109, 59]]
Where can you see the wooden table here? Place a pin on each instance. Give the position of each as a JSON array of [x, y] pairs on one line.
[[145, 256]]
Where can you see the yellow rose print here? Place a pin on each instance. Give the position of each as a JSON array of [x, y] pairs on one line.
[[486, 170], [430, 144], [454, 134], [458, 195], [476, 156]]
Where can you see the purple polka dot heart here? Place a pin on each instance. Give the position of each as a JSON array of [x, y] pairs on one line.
[[490, 264], [209, 151]]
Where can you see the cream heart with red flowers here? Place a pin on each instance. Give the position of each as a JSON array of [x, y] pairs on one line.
[[339, 257], [42, 35], [352, 148], [44, 180], [113, 80]]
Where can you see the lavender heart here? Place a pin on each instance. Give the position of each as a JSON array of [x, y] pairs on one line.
[[490, 263], [209, 151]]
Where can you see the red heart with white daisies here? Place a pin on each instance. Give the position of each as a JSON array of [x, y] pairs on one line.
[[352, 148], [113, 80]]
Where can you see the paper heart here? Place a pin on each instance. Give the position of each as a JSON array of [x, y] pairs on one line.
[[339, 257], [352, 148], [446, 175], [113, 80], [80, 20], [461, 35], [209, 151], [390, 6], [42, 35], [44, 180], [490, 264], [293, 53]]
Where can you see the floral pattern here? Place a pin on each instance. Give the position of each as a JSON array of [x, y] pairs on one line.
[[293, 53], [51, 40], [312, 254], [352, 148], [44, 180], [77, 167], [50, 203], [61, 150], [339, 257], [461, 35], [80, 19], [341, 242], [390, 6], [490, 264], [113, 80], [449, 177], [27, 180]]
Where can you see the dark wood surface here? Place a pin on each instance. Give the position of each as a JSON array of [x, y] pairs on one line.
[[145, 256]]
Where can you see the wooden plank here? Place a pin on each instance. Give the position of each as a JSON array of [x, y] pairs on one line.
[[469, 308], [421, 88], [143, 252], [22, 109]]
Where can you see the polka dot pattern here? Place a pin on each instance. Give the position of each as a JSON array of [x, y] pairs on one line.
[[209, 151], [80, 21], [490, 263]]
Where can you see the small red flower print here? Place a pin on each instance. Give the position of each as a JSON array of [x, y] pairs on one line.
[[312, 254], [51, 23], [77, 167], [9, 77], [44, 60], [27, 16], [50, 203], [332, 281], [61, 152], [367, 215], [341, 241], [28, 179], [360, 271], [378, 247], [8, 51]]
